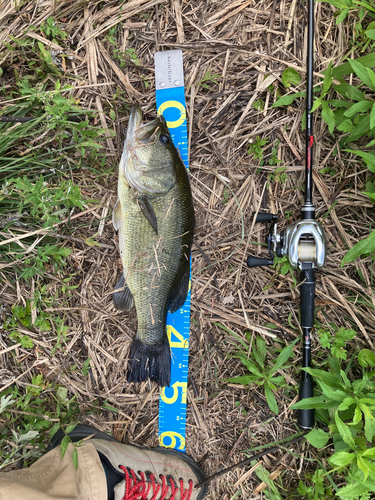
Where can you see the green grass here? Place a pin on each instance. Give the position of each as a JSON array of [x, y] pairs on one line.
[[263, 373], [37, 159]]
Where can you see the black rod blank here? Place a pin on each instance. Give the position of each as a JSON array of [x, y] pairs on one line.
[[309, 103]]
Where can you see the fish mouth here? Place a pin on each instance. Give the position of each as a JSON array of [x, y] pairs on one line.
[[138, 131], [135, 122]]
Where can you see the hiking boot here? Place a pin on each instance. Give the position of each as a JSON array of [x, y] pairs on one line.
[[137, 473]]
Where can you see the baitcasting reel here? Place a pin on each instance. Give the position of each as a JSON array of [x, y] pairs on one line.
[[303, 243]]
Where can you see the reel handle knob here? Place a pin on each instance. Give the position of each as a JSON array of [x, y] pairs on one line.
[[265, 217], [258, 261]]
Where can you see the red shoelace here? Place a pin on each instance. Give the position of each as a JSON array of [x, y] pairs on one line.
[[140, 489]]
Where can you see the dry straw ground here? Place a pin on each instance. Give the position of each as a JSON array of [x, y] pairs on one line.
[[248, 44]]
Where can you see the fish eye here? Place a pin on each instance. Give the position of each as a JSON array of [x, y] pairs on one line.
[[164, 139]]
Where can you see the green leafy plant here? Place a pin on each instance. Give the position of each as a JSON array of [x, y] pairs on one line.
[[274, 155], [44, 201], [282, 266], [258, 104], [353, 115], [256, 148], [318, 490], [53, 30], [208, 80], [278, 175], [243, 411], [272, 492], [225, 196], [363, 7], [20, 315], [44, 143], [262, 373], [85, 367], [124, 57], [363, 247], [43, 322], [44, 148], [29, 412], [336, 341], [348, 407], [290, 77], [37, 190], [53, 255]]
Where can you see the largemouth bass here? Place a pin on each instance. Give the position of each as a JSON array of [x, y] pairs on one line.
[[155, 218]]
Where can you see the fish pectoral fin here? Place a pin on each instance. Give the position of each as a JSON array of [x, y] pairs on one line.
[[117, 219], [123, 300], [179, 294], [148, 211]]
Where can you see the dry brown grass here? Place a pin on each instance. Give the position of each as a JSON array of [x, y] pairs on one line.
[[244, 42]]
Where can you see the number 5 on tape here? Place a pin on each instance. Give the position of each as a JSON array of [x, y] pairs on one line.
[[170, 102], [170, 400]]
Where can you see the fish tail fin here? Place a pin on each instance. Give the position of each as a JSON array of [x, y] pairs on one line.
[[149, 361]]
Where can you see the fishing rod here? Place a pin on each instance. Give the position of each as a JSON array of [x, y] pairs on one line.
[[304, 242]]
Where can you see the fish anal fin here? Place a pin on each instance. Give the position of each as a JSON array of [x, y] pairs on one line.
[[179, 294], [123, 300], [148, 211], [117, 219]]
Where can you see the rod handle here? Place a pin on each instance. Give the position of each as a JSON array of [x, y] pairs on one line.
[[306, 418], [258, 261]]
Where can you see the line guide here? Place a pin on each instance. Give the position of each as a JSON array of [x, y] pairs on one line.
[[170, 102]]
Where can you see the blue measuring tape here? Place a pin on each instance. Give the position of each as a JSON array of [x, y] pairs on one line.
[[170, 102]]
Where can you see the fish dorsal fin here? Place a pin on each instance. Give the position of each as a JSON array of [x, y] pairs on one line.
[[117, 219], [148, 212]]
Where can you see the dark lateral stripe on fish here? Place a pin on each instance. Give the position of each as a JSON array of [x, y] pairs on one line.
[[146, 361]]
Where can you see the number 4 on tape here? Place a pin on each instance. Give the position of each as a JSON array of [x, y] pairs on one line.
[[170, 102]]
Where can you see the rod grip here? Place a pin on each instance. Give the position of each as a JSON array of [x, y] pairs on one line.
[[307, 297], [306, 418]]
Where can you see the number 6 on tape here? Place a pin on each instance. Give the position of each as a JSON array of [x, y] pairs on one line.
[[170, 102]]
